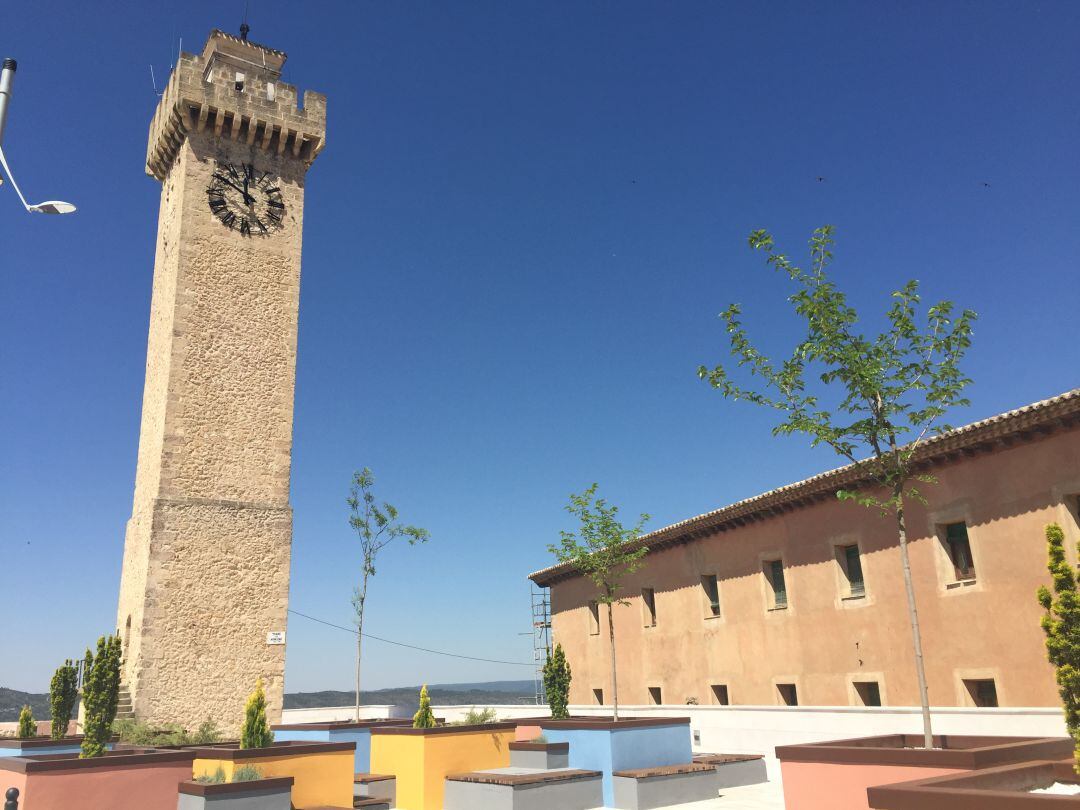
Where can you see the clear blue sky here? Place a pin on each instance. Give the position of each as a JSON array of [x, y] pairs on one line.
[[516, 243]]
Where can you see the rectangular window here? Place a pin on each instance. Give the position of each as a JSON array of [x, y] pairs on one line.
[[598, 697], [851, 564], [774, 573], [789, 695], [956, 540], [869, 692], [648, 602], [1072, 506], [594, 618], [720, 694], [983, 692], [654, 696], [712, 594]]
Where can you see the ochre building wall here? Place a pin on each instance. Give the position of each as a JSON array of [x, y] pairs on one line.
[[823, 642]]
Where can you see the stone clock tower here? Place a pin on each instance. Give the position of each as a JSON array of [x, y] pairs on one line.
[[206, 555]]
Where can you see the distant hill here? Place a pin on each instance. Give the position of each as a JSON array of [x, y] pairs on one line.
[[446, 694], [12, 701], [442, 694]]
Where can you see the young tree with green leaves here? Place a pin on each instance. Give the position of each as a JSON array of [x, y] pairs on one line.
[[424, 717], [377, 526], [27, 729], [63, 697], [255, 732], [1062, 627], [101, 694], [557, 683], [603, 551], [894, 387]]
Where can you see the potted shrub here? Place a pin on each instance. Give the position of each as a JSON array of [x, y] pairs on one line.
[[322, 772], [63, 697], [101, 779], [248, 788], [420, 757]]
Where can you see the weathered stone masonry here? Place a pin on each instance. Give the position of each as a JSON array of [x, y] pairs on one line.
[[206, 555]]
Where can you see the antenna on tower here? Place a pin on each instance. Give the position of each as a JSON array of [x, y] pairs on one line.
[[153, 82], [244, 27]]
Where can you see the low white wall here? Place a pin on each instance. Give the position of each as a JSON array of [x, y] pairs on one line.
[[760, 729], [325, 715]]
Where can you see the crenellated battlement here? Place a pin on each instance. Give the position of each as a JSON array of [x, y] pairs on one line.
[[233, 89]]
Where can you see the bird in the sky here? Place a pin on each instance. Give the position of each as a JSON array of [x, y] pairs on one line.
[[821, 179], [986, 185]]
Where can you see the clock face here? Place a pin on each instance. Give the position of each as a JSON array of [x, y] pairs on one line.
[[246, 199]]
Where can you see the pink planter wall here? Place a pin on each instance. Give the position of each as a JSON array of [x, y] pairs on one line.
[[822, 786], [107, 783]]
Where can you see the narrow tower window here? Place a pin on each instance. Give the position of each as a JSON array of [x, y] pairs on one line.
[[648, 606], [712, 595]]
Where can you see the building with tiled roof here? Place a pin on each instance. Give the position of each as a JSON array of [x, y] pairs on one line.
[[795, 596]]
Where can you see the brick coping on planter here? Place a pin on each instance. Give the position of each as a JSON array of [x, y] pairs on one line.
[[665, 770], [369, 778], [220, 788], [279, 749], [519, 779], [1001, 788], [723, 759], [39, 742], [338, 725], [550, 747], [952, 751], [603, 723], [38, 763], [423, 732]]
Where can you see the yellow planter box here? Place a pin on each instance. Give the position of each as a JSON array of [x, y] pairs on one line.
[[422, 758], [322, 772]]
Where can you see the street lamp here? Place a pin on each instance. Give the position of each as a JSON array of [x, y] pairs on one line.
[[7, 79]]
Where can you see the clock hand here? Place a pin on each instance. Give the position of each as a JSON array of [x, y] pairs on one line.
[[248, 199]]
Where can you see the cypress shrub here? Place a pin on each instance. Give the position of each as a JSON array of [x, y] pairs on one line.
[[101, 694], [1061, 623], [424, 718], [255, 732], [557, 683], [27, 727], [63, 696]]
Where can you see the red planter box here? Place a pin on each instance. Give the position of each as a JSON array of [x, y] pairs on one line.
[[836, 775]]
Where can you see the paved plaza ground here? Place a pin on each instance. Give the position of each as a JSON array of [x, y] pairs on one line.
[[766, 796]]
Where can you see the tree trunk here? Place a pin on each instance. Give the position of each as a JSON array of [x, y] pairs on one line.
[[614, 680], [360, 597], [913, 615]]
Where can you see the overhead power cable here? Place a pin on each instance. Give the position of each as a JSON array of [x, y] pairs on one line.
[[408, 646]]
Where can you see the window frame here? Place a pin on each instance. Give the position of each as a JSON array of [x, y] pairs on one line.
[[712, 607], [594, 617], [771, 566], [648, 607], [713, 687]]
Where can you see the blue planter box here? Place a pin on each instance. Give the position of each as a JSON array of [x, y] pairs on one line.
[[345, 731], [42, 745], [606, 746]]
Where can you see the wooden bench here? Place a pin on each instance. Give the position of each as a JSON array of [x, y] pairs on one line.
[[665, 785], [736, 769], [521, 788], [375, 786]]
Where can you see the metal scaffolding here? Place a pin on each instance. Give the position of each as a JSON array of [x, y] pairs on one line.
[[541, 633]]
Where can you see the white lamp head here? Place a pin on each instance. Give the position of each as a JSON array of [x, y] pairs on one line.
[[52, 207]]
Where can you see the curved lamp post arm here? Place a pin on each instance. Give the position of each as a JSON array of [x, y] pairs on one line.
[[7, 80]]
